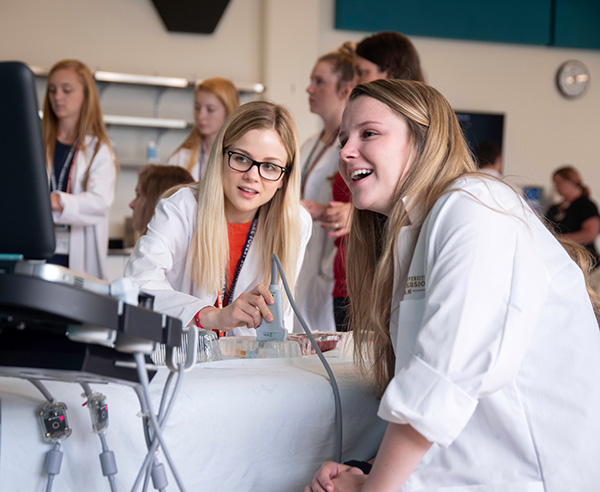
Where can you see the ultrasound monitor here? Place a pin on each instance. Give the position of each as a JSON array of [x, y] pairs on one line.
[[26, 226]]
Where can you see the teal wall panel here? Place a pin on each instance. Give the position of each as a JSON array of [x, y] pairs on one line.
[[513, 21], [577, 24]]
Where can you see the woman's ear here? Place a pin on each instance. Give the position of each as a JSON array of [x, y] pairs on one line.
[[346, 89]]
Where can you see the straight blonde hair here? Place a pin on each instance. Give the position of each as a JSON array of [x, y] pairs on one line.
[[90, 117], [278, 226], [441, 155], [224, 91]]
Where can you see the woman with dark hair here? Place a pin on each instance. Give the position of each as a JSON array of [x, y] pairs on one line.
[[153, 181], [387, 55], [576, 216]]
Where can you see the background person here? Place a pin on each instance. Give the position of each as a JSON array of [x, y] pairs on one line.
[[489, 158], [207, 252], [575, 217], [153, 181], [472, 384], [331, 81], [82, 168], [380, 56], [214, 100], [387, 55]]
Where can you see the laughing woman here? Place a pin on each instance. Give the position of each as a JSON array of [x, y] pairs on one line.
[[485, 340], [206, 254]]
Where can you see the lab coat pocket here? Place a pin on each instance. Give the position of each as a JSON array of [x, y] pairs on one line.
[[410, 319]]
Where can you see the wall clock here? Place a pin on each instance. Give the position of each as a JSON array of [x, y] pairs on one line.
[[573, 79]]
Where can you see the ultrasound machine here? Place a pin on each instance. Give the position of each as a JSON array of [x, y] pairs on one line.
[[57, 324]]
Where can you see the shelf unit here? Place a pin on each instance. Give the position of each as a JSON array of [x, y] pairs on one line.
[[160, 83], [137, 109]]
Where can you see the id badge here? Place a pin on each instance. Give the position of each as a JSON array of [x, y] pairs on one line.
[[62, 232]]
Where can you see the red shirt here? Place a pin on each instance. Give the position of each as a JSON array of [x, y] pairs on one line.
[[341, 193], [237, 234]]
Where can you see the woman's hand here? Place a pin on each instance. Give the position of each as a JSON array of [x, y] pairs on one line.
[[315, 209], [337, 218], [336, 477], [247, 310], [55, 202]]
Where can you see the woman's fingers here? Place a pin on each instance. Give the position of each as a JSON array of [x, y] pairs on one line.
[[251, 307], [337, 216], [323, 479]]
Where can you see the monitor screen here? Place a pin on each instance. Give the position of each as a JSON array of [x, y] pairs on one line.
[[481, 127], [26, 216]]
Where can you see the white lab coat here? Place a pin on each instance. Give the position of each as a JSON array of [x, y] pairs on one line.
[[86, 210], [159, 259], [315, 283], [182, 157], [497, 350]]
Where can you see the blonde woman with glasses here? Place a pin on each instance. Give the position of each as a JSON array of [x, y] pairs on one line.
[[207, 250], [82, 168], [483, 332]]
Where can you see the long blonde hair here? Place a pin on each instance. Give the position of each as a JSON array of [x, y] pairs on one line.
[[90, 116], [278, 227], [224, 91], [441, 155]]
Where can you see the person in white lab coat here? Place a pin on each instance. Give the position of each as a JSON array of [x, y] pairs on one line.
[[82, 168], [206, 255], [331, 81], [484, 336], [214, 100]]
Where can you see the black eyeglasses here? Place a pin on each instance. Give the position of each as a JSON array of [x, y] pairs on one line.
[[242, 163]]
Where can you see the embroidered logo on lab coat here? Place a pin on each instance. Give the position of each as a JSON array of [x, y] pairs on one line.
[[415, 287]]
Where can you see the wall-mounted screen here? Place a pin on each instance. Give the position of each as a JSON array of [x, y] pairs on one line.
[[481, 127]]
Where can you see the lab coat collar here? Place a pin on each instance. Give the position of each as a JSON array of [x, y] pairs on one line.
[[415, 210]]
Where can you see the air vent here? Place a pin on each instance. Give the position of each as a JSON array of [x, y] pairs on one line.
[[194, 16]]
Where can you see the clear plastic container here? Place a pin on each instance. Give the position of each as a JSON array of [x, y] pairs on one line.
[[208, 349], [326, 341], [250, 348]]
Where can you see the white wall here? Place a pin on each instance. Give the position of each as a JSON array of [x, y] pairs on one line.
[[277, 41]]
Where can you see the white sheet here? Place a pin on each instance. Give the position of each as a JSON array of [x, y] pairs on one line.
[[237, 425]]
